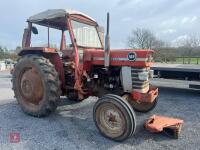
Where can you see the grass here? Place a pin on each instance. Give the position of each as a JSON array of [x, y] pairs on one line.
[[188, 60]]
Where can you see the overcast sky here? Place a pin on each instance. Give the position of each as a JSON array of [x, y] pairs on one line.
[[168, 19]]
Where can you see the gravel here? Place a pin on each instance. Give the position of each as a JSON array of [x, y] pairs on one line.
[[72, 127]]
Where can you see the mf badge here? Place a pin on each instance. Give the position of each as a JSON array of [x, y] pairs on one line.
[[132, 56]]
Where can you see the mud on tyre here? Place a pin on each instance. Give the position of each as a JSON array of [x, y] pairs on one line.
[[36, 85]]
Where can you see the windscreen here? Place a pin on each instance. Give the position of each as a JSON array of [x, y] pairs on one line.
[[86, 35]]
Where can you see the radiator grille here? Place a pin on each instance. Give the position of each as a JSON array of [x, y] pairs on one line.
[[137, 84]]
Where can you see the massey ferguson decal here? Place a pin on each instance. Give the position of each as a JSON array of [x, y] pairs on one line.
[[132, 56]]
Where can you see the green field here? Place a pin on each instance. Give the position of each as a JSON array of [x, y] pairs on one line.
[[188, 60]]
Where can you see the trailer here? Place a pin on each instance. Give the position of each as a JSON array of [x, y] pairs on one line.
[[188, 74]]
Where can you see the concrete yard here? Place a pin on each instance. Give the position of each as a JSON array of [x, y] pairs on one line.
[[71, 126]]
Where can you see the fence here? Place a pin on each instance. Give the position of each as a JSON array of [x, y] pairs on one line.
[[183, 60], [188, 60]]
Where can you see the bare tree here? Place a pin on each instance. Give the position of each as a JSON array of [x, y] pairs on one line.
[[191, 41], [144, 39], [189, 45]]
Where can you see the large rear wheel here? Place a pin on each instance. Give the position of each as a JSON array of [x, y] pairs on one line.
[[114, 117], [36, 85]]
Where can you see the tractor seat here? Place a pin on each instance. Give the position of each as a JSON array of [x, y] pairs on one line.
[[68, 53]]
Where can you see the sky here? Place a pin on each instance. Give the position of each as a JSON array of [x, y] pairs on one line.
[[170, 20]]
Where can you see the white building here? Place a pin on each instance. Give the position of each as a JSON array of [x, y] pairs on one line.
[[2, 66]]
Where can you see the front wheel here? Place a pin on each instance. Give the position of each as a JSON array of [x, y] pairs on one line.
[[143, 106], [114, 117]]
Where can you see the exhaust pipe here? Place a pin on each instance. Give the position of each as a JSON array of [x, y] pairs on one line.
[[107, 44]]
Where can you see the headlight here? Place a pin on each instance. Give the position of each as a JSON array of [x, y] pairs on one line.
[[144, 76]]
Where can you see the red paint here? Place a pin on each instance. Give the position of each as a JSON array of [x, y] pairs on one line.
[[150, 96], [91, 54], [77, 72], [157, 123], [14, 137]]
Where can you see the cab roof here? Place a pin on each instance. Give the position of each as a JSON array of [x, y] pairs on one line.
[[56, 18]]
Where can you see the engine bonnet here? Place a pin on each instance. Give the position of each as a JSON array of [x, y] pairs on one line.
[[121, 57]]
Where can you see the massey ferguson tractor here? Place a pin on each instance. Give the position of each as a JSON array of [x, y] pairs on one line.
[[86, 67]]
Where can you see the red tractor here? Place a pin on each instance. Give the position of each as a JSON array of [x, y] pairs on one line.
[[83, 68]]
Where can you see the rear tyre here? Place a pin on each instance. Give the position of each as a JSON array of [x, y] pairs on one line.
[[114, 117], [36, 85], [143, 106]]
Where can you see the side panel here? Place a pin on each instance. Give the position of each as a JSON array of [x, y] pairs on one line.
[[126, 79]]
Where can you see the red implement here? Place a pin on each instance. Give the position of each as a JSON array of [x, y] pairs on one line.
[[170, 126]]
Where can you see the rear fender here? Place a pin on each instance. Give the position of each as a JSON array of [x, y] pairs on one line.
[[57, 61], [36, 50], [26, 52]]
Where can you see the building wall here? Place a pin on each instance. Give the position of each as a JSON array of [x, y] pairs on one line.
[[2, 66]]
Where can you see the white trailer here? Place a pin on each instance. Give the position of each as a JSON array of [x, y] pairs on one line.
[[190, 73]]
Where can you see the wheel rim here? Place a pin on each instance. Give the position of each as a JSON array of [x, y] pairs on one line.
[[110, 120], [31, 87]]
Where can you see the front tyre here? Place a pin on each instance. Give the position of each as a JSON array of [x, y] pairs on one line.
[[114, 117], [143, 107], [36, 85]]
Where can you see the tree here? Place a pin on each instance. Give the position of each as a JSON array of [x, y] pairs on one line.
[[189, 45], [192, 41], [6, 53], [18, 49], [1, 52], [144, 39]]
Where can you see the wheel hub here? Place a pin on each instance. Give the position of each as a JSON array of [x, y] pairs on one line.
[[27, 87], [112, 119], [31, 86]]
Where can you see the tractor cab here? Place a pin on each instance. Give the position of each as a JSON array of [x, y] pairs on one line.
[[82, 31]]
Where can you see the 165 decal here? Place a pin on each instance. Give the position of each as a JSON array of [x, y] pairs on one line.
[[132, 56]]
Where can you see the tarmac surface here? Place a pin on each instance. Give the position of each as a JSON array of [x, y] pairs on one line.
[[72, 127], [176, 67]]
